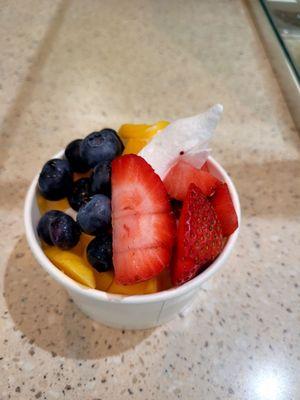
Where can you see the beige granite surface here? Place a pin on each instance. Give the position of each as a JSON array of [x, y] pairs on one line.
[[69, 67]]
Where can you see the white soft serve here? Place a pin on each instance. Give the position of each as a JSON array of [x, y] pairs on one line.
[[187, 138]]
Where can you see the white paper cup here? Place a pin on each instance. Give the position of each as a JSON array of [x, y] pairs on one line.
[[127, 312]]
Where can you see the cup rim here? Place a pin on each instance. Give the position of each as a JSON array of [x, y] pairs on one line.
[[96, 294]]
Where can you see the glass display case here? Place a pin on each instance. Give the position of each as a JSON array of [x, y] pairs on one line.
[[284, 17], [278, 21]]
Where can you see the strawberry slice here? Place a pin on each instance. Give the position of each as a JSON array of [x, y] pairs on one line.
[[143, 231], [143, 224], [222, 203], [136, 187], [205, 167], [138, 265], [199, 238], [183, 174]]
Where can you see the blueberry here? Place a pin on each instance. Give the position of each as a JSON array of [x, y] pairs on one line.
[[72, 154], [55, 180], [64, 231], [99, 253], [94, 217], [44, 224], [80, 194], [101, 146], [100, 180]]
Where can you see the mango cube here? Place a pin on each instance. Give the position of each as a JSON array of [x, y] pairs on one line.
[[48, 205], [103, 280], [147, 287], [72, 265], [134, 146], [134, 131]]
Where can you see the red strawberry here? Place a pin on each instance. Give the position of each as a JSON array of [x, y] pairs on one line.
[[140, 264], [139, 231], [199, 238], [205, 167], [222, 203], [143, 224], [183, 174]]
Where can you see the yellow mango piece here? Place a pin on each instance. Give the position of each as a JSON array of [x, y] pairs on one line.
[[103, 280], [47, 205], [85, 239], [128, 131], [153, 129], [147, 287], [151, 286], [72, 265], [41, 202], [134, 146], [78, 249], [141, 131]]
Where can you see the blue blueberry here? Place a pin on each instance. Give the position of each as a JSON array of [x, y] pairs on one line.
[[72, 154], [44, 225], [55, 180], [99, 253], [64, 231], [101, 146], [80, 193], [94, 217], [100, 180]]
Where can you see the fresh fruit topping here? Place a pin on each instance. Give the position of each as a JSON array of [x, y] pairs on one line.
[[78, 249], [85, 240], [55, 180], [133, 146], [99, 253], [186, 138], [147, 287], [133, 131], [48, 205], [103, 280], [94, 217], [141, 131], [138, 231], [139, 265], [205, 167], [153, 129], [64, 231], [72, 154], [80, 193], [136, 188], [72, 265], [43, 227], [100, 180], [222, 203], [101, 146], [138, 135], [199, 238], [183, 174], [143, 225]]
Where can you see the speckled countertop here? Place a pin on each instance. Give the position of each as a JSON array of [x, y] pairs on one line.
[[69, 67]]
